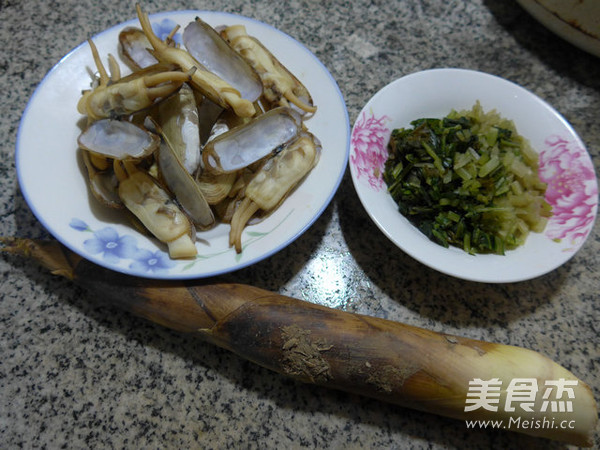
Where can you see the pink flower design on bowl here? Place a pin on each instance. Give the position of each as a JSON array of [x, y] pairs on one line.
[[369, 140], [572, 190]]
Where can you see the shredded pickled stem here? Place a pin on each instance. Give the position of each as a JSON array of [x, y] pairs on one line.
[[467, 180], [241, 216]]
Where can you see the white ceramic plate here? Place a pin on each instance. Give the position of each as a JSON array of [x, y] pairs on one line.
[[576, 21], [564, 164], [52, 178]]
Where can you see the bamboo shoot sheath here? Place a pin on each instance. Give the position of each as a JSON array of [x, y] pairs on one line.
[[378, 358]]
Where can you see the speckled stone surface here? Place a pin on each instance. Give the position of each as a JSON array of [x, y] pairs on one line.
[[75, 374]]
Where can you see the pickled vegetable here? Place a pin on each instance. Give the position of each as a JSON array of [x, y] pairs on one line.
[[467, 180]]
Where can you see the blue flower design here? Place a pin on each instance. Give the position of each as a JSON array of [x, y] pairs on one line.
[[148, 261], [115, 248], [79, 224], [164, 28], [112, 246]]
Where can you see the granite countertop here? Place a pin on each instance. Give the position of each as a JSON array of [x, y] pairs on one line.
[[77, 374]]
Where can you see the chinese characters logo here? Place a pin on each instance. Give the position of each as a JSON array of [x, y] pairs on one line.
[[521, 393]]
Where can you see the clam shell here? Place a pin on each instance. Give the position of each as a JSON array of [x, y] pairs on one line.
[[133, 48], [183, 186], [178, 117], [118, 139], [103, 184], [217, 56], [248, 143]]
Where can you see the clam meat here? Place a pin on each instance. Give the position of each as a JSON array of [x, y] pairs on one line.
[[203, 132], [281, 87], [277, 177], [211, 85], [102, 183], [156, 210], [115, 96]]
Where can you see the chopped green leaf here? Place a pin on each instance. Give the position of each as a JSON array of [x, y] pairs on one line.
[[468, 180]]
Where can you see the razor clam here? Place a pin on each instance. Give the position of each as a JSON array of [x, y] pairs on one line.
[[183, 186], [248, 143], [211, 85], [278, 176], [155, 209], [215, 54], [216, 187], [208, 114], [116, 96], [103, 183], [133, 48], [220, 127], [281, 87], [227, 206], [274, 181], [222, 123], [118, 139], [178, 119]]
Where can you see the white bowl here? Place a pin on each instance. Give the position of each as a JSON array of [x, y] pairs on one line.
[[53, 181], [564, 161]]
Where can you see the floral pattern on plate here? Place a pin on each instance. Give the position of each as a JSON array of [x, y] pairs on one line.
[[164, 28], [572, 190], [115, 248], [369, 140]]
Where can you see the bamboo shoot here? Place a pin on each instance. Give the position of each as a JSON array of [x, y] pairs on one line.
[[382, 359]]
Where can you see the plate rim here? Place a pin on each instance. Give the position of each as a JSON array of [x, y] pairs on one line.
[[562, 28]]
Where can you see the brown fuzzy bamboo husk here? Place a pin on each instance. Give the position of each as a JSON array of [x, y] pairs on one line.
[[378, 358]]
